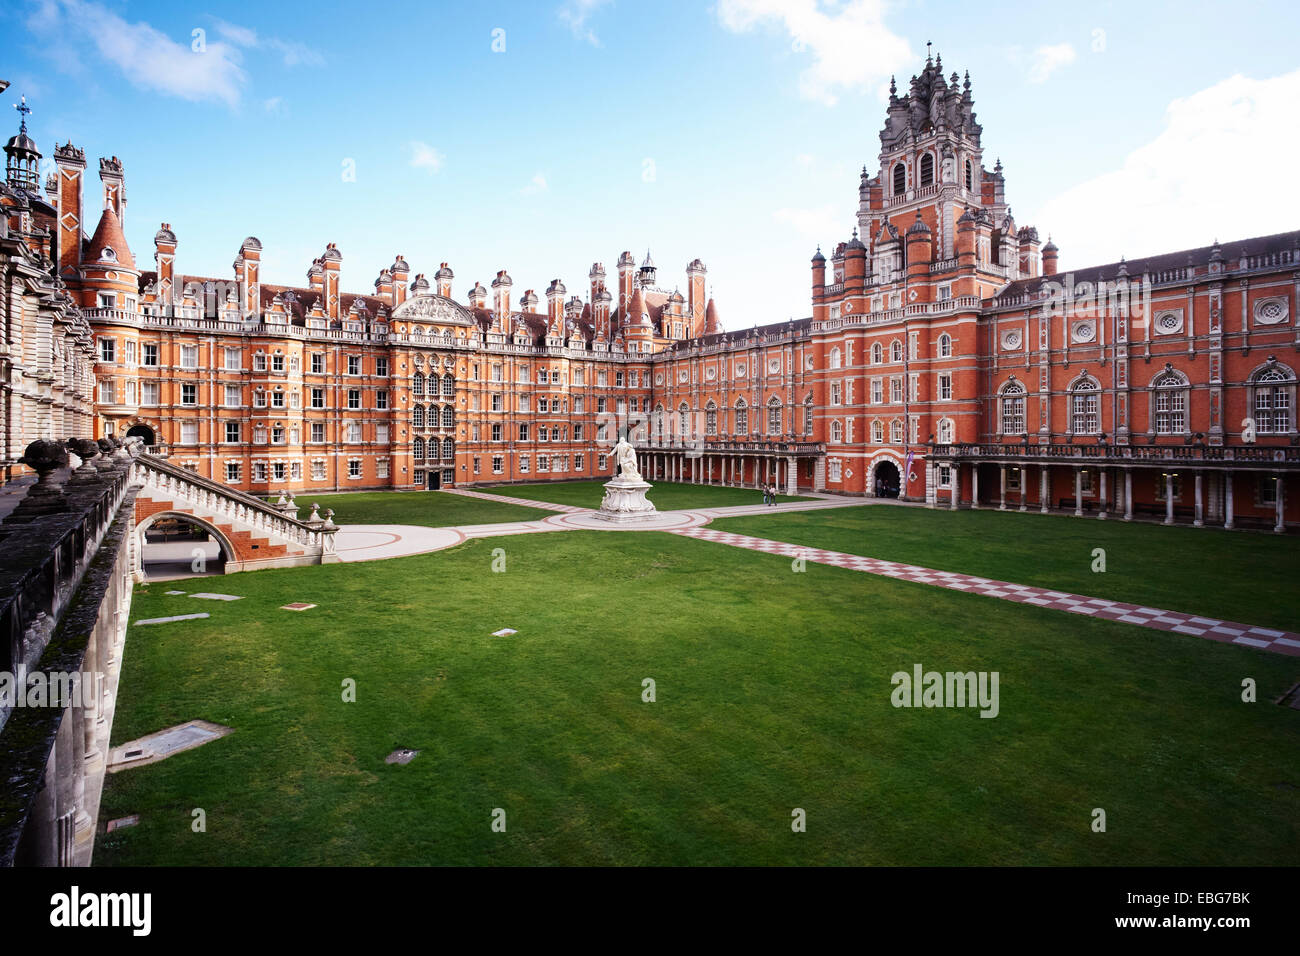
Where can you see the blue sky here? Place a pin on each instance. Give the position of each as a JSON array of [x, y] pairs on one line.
[[732, 131]]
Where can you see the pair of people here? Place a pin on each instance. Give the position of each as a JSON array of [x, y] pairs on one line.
[[769, 494]]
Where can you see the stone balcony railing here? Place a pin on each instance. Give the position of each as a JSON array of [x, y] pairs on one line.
[[723, 446], [1284, 457], [218, 499], [65, 594]]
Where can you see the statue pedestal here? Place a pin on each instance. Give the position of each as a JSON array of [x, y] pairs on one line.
[[625, 501]]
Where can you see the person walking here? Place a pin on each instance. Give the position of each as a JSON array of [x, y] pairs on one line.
[[765, 493]]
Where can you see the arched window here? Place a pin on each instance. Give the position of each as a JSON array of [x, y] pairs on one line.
[[927, 169], [448, 448], [774, 416], [1085, 408], [878, 432], [417, 449], [417, 384], [877, 354], [682, 413], [710, 418], [896, 351], [1013, 409], [837, 431], [448, 417], [896, 431], [1273, 400], [835, 358], [659, 422], [970, 176], [945, 346], [944, 433], [448, 385], [417, 416], [742, 418], [1169, 404], [808, 414], [900, 179]]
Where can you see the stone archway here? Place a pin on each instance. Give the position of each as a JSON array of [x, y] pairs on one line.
[[888, 472], [182, 556], [144, 432]]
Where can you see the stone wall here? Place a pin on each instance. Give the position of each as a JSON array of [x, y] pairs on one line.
[[65, 595]]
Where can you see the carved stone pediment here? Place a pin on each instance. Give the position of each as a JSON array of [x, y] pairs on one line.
[[433, 308]]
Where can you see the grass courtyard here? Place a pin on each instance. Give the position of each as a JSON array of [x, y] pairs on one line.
[[666, 495], [1247, 576], [773, 693], [431, 509]]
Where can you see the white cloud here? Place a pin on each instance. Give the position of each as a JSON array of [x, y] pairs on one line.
[[575, 13], [291, 52], [424, 156], [805, 160], [147, 57], [850, 45], [274, 106], [818, 223], [1211, 172], [1048, 59], [537, 184]]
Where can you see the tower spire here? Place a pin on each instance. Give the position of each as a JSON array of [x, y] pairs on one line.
[[23, 109]]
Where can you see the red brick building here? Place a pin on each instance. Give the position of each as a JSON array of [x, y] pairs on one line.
[[946, 359]]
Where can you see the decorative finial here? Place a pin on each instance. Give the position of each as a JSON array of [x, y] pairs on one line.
[[927, 52], [938, 62], [893, 86], [23, 109]]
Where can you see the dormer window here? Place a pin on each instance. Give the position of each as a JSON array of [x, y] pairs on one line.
[[108, 255]]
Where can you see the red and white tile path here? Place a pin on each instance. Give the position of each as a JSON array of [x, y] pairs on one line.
[[526, 502], [1227, 632]]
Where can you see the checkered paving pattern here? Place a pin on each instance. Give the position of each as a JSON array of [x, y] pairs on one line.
[[1227, 632], [526, 502]]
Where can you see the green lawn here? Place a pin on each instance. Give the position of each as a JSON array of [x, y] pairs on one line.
[[666, 495], [1249, 577], [433, 509], [773, 692]]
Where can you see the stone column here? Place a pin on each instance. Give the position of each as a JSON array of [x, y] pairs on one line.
[[1002, 487], [1104, 505], [1198, 519], [1128, 494], [975, 485], [791, 476], [1078, 491], [1281, 506], [1169, 497], [1227, 500], [956, 486], [1024, 488], [1044, 487]]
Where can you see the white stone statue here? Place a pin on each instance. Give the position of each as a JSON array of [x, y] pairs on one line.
[[626, 455]]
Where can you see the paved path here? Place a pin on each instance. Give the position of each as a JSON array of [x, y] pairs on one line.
[[1228, 632], [377, 542]]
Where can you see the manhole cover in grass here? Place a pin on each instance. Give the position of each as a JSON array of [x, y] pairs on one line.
[[297, 606], [401, 755]]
